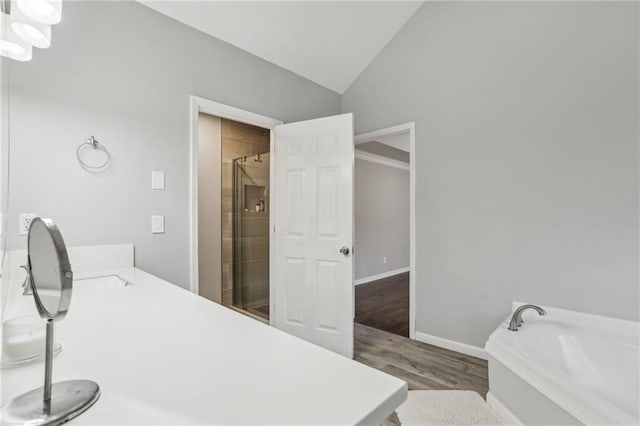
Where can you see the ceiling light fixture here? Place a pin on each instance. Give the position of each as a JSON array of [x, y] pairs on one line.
[[27, 24], [43, 11], [34, 33], [11, 45]]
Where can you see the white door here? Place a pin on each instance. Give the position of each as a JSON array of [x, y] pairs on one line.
[[312, 281]]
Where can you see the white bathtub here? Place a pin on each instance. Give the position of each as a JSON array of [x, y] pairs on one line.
[[586, 366]]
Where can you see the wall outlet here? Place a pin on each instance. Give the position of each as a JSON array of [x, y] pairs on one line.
[[24, 222], [384, 259]]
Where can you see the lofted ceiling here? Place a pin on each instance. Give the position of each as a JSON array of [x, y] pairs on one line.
[[328, 42], [400, 141]]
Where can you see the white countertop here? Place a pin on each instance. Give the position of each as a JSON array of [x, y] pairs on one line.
[[163, 355]]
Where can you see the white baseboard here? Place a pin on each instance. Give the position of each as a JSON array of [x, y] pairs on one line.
[[451, 345], [502, 409], [381, 276]]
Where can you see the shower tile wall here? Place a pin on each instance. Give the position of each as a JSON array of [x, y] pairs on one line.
[[239, 140]]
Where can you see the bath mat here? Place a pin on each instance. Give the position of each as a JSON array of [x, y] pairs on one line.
[[444, 408]]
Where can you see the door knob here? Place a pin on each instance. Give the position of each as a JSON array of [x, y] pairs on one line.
[[344, 250]]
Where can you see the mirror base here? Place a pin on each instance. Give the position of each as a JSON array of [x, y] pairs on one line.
[[69, 399]]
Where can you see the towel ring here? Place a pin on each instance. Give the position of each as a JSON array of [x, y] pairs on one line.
[[95, 145]]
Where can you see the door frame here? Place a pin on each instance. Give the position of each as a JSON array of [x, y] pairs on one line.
[[206, 106], [400, 129]]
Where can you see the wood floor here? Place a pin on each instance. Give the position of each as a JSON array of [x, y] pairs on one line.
[[381, 341], [384, 304], [422, 366]]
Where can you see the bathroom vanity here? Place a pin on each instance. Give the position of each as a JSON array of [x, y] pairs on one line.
[[163, 355]]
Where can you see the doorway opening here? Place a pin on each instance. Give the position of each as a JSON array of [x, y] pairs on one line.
[[230, 206], [308, 200], [384, 229]]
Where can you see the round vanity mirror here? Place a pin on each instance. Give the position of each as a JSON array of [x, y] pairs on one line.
[[51, 276], [51, 281]]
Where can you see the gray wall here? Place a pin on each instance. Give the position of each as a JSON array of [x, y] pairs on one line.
[[382, 218], [526, 155], [124, 73]]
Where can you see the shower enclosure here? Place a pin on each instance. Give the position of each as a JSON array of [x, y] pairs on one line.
[[251, 234]]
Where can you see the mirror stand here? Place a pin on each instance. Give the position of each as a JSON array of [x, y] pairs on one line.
[[51, 283], [54, 403]]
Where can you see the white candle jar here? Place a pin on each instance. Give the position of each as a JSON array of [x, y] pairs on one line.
[[23, 338]]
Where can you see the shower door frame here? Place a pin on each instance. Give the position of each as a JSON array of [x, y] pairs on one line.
[[239, 214], [201, 105]]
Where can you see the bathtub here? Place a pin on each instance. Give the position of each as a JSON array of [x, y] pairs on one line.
[[566, 368]]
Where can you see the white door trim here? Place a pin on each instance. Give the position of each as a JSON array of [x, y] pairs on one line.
[[409, 128], [198, 105]]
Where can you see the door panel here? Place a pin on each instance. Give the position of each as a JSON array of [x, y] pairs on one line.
[[293, 207], [312, 286], [294, 296]]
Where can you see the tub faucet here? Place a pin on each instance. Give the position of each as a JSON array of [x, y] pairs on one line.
[[516, 318], [26, 285]]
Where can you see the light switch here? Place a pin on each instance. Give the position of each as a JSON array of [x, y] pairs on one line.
[[157, 224], [157, 180]]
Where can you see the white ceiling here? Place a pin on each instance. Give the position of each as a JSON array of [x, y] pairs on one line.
[[328, 42]]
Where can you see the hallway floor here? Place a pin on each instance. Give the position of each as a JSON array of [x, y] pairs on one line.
[[422, 366], [384, 304]]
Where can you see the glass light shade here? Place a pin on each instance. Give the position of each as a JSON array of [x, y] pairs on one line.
[[35, 33], [11, 45], [47, 12]]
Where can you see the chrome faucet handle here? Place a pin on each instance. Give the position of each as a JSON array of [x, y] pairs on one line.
[[516, 318], [26, 284]]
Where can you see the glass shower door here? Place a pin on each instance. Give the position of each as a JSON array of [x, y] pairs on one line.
[[251, 234]]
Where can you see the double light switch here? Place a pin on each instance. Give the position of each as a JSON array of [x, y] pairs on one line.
[[157, 183]]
